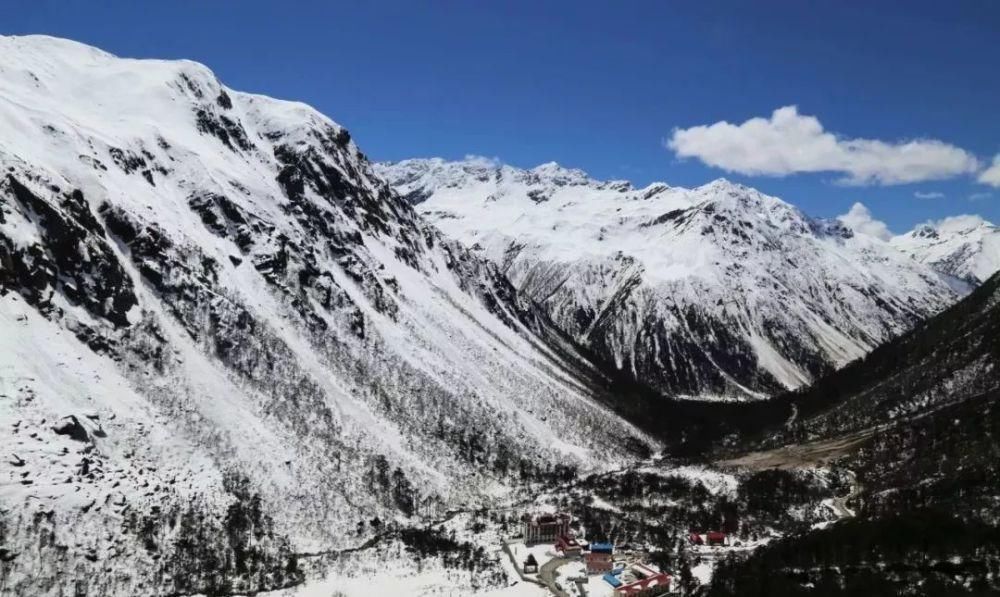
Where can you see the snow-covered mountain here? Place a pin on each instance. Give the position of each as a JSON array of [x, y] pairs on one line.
[[714, 291], [225, 342], [967, 247]]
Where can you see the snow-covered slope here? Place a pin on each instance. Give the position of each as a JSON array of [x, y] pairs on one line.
[[967, 247], [713, 291], [224, 341]]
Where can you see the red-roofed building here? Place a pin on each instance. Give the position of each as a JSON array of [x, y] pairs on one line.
[[568, 545], [655, 584], [600, 558], [716, 538]]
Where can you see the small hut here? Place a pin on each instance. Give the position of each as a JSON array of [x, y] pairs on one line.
[[530, 564]]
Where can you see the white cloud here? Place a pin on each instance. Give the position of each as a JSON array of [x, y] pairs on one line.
[[788, 143], [860, 220], [959, 223], [928, 195], [482, 161], [991, 175], [979, 196]]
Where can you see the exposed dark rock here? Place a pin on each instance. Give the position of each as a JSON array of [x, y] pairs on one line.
[[72, 427], [74, 258], [223, 100], [229, 131]]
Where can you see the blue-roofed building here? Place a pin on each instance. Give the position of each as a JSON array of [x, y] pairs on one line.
[[602, 547], [612, 580], [599, 558]]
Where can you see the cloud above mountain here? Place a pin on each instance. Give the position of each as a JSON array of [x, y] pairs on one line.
[[991, 175], [483, 161], [859, 219], [959, 223], [789, 143]]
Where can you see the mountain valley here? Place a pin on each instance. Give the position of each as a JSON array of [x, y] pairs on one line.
[[238, 357]]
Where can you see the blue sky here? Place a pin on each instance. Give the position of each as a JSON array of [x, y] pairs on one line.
[[602, 86]]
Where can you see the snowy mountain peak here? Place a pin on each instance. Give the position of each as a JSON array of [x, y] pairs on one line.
[[722, 200], [55, 48], [36, 63], [925, 231], [723, 185], [415, 178], [966, 247], [551, 172]]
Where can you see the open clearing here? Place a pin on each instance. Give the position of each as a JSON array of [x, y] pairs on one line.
[[800, 456]]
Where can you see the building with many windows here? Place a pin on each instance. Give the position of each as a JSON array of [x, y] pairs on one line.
[[545, 528]]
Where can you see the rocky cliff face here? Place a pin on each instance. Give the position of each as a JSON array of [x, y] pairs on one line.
[[225, 342], [713, 292]]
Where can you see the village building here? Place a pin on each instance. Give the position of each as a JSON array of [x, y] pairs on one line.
[[651, 586], [568, 545], [530, 565], [612, 580], [600, 558], [638, 580], [545, 528], [710, 538]]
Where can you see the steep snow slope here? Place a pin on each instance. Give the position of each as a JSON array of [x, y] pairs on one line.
[[966, 247], [713, 291], [225, 341], [946, 360]]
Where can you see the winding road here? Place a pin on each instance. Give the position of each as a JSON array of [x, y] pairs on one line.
[[839, 504], [547, 574]]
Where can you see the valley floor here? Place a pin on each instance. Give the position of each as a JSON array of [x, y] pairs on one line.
[[799, 456], [648, 511]]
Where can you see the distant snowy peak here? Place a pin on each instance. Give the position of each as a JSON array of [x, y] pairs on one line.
[[417, 179], [967, 247], [715, 291]]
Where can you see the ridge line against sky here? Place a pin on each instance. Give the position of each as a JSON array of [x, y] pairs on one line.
[[858, 218], [888, 104]]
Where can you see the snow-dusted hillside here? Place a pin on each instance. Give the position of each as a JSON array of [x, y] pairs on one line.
[[224, 341], [713, 291], [967, 247]]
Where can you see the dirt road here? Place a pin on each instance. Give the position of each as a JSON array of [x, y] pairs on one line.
[[802, 456], [547, 574], [839, 505], [796, 456]]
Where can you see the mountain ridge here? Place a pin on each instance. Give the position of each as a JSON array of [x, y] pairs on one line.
[[718, 290], [966, 247]]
